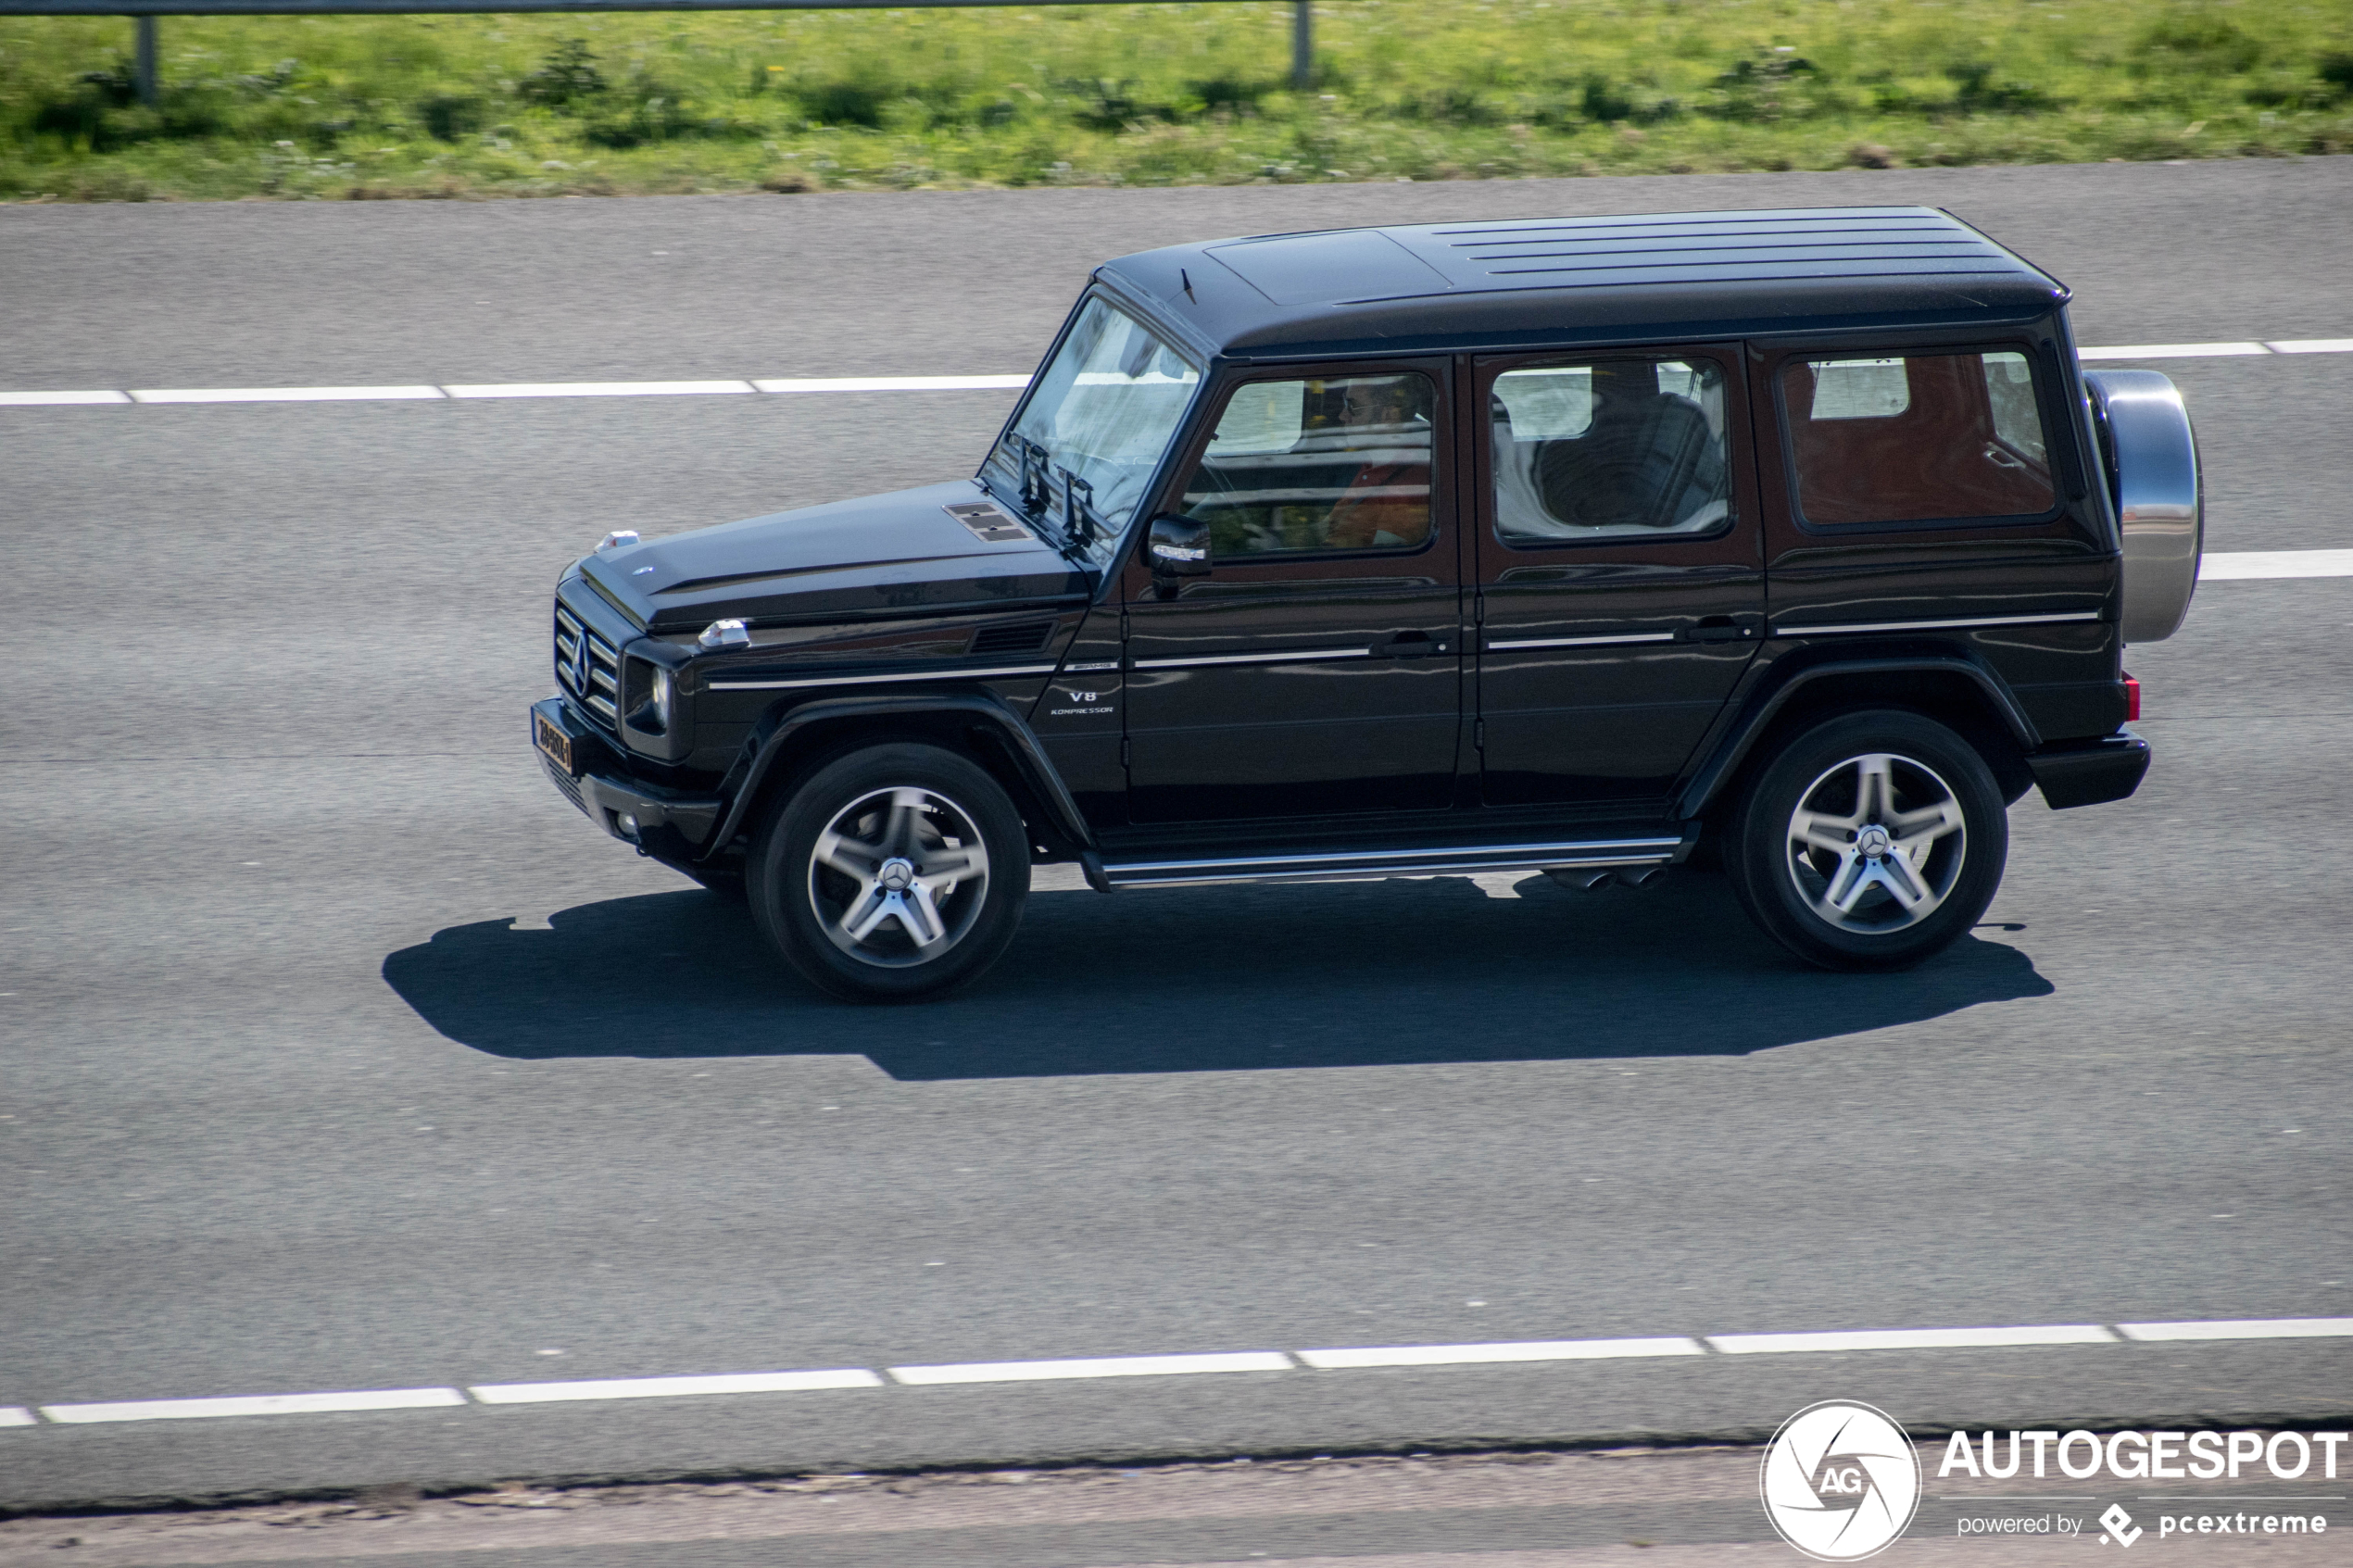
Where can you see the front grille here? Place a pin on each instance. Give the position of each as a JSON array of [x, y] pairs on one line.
[[565, 781], [594, 680]]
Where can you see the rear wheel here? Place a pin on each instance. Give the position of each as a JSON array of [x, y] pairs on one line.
[[1869, 841], [890, 873]]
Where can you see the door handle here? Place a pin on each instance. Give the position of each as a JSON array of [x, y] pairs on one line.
[[1714, 628], [1410, 644]]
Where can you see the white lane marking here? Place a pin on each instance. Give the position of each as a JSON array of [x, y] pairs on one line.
[[673, 1387], [1512, 1350], [605, 389], [44, 399], [881, 383], [1911, 1339], [2171, 351], [1252, 1360], [1100, 1366], [257, 1404], [2240, 564], [285, 393], [894, 383], [2247, 1328]]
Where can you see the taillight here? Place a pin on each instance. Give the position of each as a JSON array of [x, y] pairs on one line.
[[2131, 699]]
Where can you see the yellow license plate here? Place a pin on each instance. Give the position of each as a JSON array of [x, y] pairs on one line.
[[552, 741]]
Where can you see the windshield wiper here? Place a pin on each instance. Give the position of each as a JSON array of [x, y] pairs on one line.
[[1080, 525], [1079, 510]]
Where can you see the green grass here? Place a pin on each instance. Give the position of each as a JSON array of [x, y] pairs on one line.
[[352, 107]]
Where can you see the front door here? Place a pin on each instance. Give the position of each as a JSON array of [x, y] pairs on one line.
[[1620, 575], [1316, 669]]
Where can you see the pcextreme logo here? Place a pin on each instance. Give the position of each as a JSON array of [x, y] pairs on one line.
[[1840, 1480]]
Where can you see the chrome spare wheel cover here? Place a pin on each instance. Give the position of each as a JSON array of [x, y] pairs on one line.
[[1876, 844], [899, 876]]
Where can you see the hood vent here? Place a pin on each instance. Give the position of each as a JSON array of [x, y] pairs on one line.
[[1027, 637]]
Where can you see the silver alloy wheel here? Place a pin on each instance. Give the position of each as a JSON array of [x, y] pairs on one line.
[[899, 876], [1875, 843]]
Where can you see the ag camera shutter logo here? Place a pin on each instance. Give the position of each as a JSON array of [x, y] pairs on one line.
[[1840, 1480]]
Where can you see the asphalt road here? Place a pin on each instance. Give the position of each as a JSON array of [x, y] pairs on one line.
[[341, 1053]]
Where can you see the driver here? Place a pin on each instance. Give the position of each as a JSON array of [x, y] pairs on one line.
[[1387, 502]]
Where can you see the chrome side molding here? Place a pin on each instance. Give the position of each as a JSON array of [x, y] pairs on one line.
[[1358, 865]]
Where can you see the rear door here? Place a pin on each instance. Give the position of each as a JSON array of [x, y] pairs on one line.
[[1932, 490], [1317, 669], [1620, 572]]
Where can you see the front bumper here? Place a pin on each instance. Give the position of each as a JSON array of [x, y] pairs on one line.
[[2089, 773], [670, 824]]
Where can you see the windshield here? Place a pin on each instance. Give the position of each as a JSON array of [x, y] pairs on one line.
[[1097, 422]]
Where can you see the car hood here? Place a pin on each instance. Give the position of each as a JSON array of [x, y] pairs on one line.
[[878, 556]]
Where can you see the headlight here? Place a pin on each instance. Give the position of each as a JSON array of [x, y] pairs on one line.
[[654, 694], [664, 693]]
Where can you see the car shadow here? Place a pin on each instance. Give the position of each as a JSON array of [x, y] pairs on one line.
[[1358, 974]]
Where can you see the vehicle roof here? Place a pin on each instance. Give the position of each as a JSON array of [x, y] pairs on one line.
[[1530, 281]]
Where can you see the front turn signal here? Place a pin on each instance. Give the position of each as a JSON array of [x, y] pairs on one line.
[[724, 635]]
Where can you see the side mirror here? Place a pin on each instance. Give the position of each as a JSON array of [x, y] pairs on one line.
[[1177, 547]]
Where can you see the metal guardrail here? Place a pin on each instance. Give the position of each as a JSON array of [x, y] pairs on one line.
[[1303, 31]]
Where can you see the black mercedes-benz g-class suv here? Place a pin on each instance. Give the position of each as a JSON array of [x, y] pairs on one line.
[[1794, 538]]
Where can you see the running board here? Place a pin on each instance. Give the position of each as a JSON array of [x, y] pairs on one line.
[[1356, 865]]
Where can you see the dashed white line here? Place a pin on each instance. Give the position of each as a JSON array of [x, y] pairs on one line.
[[2240, 565], [1911, 1339], [254, 1404], [41, 400], [606, 389], [2172, 351], [1351, 1358], [1510, 1350], [895, 383], [285, 395], [673, 1387], [1100, 1366], [2247, 1328], [791, 384]]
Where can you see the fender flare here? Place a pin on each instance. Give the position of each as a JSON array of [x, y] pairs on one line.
[[772, 733], [1761, 708]]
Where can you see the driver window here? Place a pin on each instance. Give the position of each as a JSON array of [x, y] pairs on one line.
[[1609, 449], [1335, 463]]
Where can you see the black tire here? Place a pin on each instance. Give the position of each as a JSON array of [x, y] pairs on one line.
[[915, 820], [1813, 884]]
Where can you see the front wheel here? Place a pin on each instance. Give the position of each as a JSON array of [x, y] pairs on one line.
[[893, 872], [1869, 841]]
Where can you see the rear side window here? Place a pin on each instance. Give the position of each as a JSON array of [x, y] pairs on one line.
[[1609, 449], [1917, 437]]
